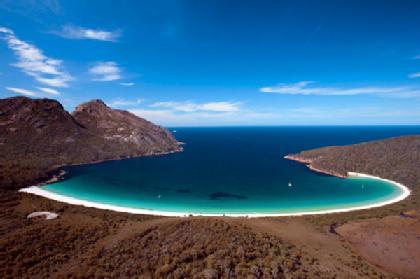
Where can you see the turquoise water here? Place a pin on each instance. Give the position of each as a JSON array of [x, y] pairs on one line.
[[233, 170]]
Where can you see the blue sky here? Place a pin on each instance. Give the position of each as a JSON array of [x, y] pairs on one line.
[[216, 63]]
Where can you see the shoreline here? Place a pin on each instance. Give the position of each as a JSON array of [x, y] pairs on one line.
[[36, 190], [308, 163], [58, 173], [150, 154]]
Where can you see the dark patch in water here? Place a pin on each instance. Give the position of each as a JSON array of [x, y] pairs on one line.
[[222, 195], [183, 191]]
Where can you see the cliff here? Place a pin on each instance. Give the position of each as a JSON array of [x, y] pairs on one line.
[[37, 135]]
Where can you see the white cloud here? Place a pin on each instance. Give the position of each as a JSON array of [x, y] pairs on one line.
[[21, 91], [417, 57], [191, 107], [124, 103], [34, 63], [305, 88], [127, 83], [49, 90], [414, 75], [189, 113], [54, 82], [219, 106], [105, 71], [77, 32], [5, 30], [175, 118], [287, 116]]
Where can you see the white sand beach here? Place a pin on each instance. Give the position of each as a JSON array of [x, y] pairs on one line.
[[36, 190]]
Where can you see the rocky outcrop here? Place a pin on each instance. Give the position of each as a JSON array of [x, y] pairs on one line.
[[121, 132], [309, 163], [37, 135]]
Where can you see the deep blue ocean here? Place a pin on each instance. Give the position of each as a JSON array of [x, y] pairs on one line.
[[233, 170]]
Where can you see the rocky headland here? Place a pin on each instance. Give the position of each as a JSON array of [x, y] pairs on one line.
[[308, 162], [396, 159], [37, 137]]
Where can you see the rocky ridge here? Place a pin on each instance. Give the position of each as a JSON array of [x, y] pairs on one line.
[[38, 135]]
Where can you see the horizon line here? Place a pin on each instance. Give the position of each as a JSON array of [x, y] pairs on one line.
[[289, 125]]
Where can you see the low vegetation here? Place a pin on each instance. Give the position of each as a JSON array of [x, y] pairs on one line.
[[87, 242], [397, 159]]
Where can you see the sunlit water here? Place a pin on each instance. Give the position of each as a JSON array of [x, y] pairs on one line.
[[233, 171]]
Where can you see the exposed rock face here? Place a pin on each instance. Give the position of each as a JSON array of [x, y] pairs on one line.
[[123, 132], [38, 134], [309, 162]]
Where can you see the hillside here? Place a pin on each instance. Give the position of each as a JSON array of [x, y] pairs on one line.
[[38, 134], [397, 159], [114, 245]]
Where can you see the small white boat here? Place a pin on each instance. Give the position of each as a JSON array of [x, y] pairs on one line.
[[289, 184], [173, 131], [159, 196]]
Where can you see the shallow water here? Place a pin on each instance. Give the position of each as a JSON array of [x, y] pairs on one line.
[[233, 171]]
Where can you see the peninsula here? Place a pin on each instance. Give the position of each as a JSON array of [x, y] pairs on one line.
[[37, 137], [396, 159]]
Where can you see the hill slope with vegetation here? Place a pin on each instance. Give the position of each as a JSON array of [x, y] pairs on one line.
[[397, 159], [37, 135]]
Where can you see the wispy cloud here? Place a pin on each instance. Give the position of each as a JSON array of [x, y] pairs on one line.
[[288, 116], [307, 88], [417, 57], [34, 63], [120, 102], [49, 90], [21, 91], [191, 113], [176, 118], [191, 107], [79, 33], [105, 71], [414, 75], [127, 83]]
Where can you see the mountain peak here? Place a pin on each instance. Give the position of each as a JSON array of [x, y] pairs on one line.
[[91, 106], [42, 134]]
